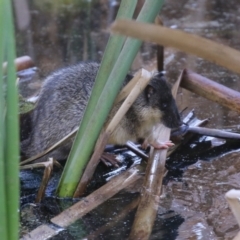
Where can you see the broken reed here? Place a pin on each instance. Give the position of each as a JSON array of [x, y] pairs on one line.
[[152, 186], [211, 90], [217, 53]]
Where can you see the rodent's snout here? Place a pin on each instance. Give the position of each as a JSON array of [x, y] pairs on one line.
[[171, 117]]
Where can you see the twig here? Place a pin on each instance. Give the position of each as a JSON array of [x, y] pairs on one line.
[[45, 179], [134, 149], [211, 90], [56, 145], [213, 132], [46, 175]]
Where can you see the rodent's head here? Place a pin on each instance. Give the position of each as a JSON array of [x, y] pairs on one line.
[[159, 96]]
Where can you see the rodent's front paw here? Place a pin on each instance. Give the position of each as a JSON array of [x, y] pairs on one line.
[[163, 145], [158, 145]]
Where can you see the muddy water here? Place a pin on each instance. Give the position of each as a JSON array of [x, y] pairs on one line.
[[194, 207]]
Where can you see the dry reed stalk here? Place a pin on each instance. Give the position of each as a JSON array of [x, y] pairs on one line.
[[46, 175], [45, 179], [137, 89], [21, 63], [151, 191], [128, 88], [211, 90], [150, 195], [96, 198], [142, 82], [189, 43], [214, 132], [59, 143], [134, 148], [85, 205]]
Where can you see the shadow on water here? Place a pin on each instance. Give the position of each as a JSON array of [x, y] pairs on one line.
[[56, 34]]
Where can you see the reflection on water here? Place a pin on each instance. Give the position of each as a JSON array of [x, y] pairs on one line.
[[58, 33]]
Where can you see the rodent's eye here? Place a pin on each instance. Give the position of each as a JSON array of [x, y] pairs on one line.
[[164, 105]]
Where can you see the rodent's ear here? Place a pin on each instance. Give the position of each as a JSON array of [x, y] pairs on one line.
[[160, 75], [149, 91]]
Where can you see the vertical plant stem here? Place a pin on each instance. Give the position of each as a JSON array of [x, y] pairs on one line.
[[111, 53], [3, 212], [12, 132], [151, 190], [160, 49]]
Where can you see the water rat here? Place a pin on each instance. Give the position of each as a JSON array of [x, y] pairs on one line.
[[64, 96]]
